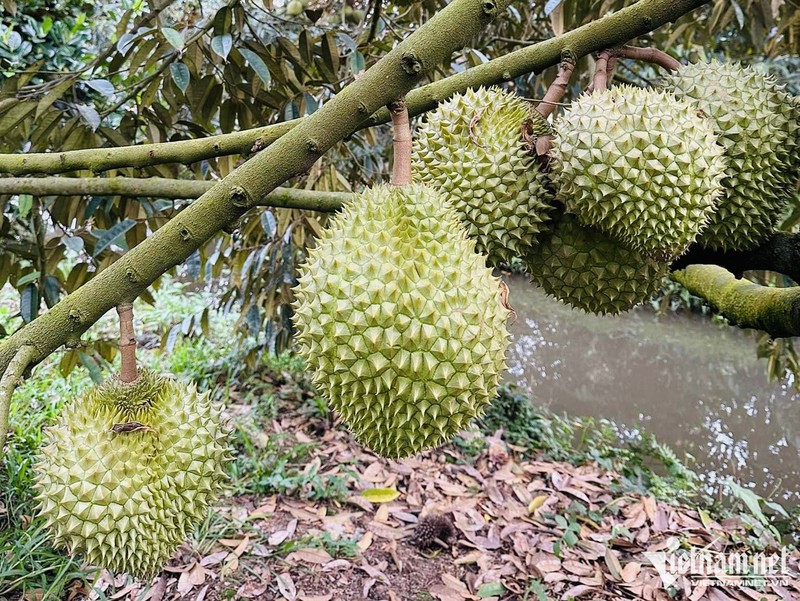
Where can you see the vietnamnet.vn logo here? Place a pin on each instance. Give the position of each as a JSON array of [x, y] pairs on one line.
[[709, 568]]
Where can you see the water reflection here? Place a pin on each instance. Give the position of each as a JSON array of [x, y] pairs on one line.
[[698, 386]]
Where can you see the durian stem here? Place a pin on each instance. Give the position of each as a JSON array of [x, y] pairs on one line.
[[559, 87], [650, 55], [127, 344], [401, 128], [601, 68], [748, 305], [8, 383]]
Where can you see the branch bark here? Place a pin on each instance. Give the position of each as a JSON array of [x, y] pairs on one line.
[[781, 254], [158, 187], [748, 305], [13, 374], [247, 186], [613, 30]]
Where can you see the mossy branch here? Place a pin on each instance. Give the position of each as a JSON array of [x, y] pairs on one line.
[[781, 254], [613, 30], [247, 186], [13, 374], [159, 187], [748, 305]]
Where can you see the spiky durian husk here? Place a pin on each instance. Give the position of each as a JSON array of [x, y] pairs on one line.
[[588, 270], [400, 320], [641, 166], [471, 149], [129, 470], [754, 119]]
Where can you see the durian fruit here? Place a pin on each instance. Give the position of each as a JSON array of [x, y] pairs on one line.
[[129, 470], [588, 270], [400, 320], [471, 149], [754, 118], [640, 165]]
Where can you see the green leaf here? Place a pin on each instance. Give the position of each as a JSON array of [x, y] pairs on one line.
[[750, 499], [491, 589], [222, 45], [174, 38], [258, 65], [357, 62], [105, 87], [29, 303], [107, 237], [25, 204], [94, 369], [28, 278], [380, 495], [180, 75]]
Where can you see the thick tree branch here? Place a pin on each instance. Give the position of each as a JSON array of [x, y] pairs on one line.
[[158, 187], [748, 305], [780, 254], [8, 383], [650, 55], [613, 30], [390, 78]]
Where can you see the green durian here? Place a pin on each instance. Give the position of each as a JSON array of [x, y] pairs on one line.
[[401, 322], [754, 118], [471, 149], [640, 165], [129, 470], [588, 270]]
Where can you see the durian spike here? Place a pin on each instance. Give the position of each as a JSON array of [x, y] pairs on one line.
[[127, 344], [650, 55], [558, 88], [401, 128]]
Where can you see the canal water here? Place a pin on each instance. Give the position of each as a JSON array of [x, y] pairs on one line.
[[696, 385]]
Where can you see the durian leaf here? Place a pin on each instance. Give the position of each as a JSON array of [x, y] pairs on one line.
[[380, 495]]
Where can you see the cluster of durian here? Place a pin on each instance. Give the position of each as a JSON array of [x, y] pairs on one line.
[[129, 470], [710, 158]]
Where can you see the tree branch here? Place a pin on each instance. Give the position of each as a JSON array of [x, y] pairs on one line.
[[748, 305], [13, 374], [159, 187], [613, 30], [649, 55], [245, 187], [780, 254]]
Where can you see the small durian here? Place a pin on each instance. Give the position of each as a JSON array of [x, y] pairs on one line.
[[129, 470], [471, 149], [639, 165], [401, 322], [589, 270], [758, 129]]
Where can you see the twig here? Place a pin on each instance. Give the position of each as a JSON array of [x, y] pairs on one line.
[[376, 19], [127, 344], [559, 87], [650, 55], [401, 128], [8, 383]]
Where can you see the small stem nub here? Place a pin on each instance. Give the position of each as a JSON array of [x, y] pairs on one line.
[[401, 128], [127, 344]]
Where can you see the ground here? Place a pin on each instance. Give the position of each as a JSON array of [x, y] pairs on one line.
[[524, 529]]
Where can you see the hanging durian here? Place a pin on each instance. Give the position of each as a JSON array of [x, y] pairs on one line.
[[758, 129], [588, 270], [641, 166], [471, 149], [129, 470], [400, 320]]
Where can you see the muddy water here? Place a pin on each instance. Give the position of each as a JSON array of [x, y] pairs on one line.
[[696, 385]]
